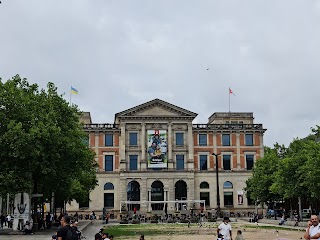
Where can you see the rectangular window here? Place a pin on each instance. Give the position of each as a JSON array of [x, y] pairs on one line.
[[203, 162], [249, 161], [85, 140], [227, 162], [109, 200], [234, 122], [109, 139], [205, 196], [228, 198], [180, 162], [179, 139], [108, 163], [133, 139], [202, 139], [225, 139], [133, 162], [249, 139]]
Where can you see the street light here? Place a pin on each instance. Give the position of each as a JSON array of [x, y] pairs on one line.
[[217, 180]]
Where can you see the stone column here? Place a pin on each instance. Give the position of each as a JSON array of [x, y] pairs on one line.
[[238, 151], [96, 149], [123, 188], [149, 204], [143, 192], [123, 147], [261, 145], [190, 147], [169, 145], [171, 194]]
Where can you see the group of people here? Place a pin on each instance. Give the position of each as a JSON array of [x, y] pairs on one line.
[[224, 231], [102, 235], [67, 230], [6, 220]]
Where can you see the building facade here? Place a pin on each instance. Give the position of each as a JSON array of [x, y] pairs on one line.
[[152, 154]]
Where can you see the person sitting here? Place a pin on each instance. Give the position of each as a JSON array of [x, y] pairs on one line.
[[282, 221], [28, 228], [239, 235]]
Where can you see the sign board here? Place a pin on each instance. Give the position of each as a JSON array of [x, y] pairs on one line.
[[37, 195]]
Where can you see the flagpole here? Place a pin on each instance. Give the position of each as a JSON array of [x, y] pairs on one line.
[[229, 100], [70, 97]]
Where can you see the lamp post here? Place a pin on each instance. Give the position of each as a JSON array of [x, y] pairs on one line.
[[217, 181]]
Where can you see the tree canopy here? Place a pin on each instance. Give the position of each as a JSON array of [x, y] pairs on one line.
[[288, 173], [42, 147]]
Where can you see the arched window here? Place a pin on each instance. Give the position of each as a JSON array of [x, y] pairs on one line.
[[109, 196], [204, 185], [157, 194], [108, 186], [133, 194], [227, 185]]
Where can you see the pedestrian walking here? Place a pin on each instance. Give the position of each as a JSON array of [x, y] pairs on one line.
[[225, 229]]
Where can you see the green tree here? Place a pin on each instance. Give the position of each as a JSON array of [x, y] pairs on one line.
[[41, 143], [258, 186]]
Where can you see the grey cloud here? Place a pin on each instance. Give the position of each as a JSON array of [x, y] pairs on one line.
[[119, 54]]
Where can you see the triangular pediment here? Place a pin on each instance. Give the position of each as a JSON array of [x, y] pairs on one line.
[[157, 111], [156, 108]]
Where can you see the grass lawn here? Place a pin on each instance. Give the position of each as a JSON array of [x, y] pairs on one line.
[[183, 232]]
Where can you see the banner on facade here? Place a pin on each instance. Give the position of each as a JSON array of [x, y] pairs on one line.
[[157, 149], [240, 197]]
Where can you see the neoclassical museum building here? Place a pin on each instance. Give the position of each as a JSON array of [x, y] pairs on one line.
[[153, 156]]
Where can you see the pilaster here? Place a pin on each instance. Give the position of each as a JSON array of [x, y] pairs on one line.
[[123, 147], [143, 160], [169, 145], [238, 151], [190, 147]]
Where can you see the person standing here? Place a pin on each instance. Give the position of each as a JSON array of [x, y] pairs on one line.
[[313, 230], [66, 230], [225, 229], [2, 220]]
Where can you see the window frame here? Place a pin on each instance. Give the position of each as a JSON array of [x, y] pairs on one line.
[[252, 139], [130, 160], [131, 134], [176, 142], [104, 200], [230, 161], [180, 155], [104, 162], [253, 157], [105, 140], [206, 138], [200, 165], [228, 193], [222, 137]]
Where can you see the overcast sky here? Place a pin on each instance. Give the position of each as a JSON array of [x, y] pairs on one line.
[[119, 54]]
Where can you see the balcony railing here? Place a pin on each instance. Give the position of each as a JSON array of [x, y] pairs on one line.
[[101, 126], [228, 126]]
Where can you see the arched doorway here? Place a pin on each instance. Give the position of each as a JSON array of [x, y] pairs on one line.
[[133, 194], [157, 194], [181, 193]]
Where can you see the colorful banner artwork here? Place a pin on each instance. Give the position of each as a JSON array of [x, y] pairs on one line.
[[157, 149]]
